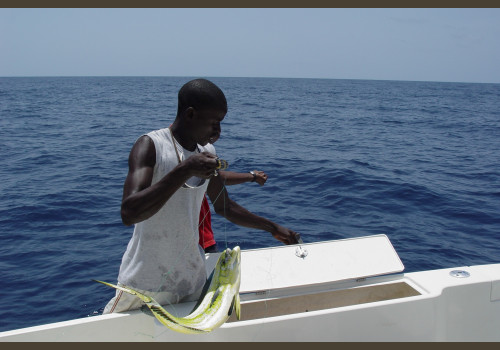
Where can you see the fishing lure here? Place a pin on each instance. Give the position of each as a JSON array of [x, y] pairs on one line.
[[221, 165]]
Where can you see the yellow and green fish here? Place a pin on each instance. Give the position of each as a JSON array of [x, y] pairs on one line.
[[220, 296]]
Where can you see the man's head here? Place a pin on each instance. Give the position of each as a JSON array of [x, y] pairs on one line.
[[202, 107], [201, 94]]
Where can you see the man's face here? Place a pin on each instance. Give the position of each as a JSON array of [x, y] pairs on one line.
[[207, 125]]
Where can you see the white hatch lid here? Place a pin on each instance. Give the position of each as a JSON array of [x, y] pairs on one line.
[[313, 263]]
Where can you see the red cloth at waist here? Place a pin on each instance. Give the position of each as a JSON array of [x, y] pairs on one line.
[[205, 228]]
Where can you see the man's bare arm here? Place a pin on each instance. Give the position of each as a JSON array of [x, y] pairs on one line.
[[233, 178], [141, 199], [235, 213]]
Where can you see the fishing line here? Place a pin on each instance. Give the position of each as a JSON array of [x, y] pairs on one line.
[[165, 275], [202, 221], [221, 165], [225, 221], [187, 187], [181, 255]]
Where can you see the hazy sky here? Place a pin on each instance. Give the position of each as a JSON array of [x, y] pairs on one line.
[[456, 45]]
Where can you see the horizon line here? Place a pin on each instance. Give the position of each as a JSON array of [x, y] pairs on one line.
[[237, 77]]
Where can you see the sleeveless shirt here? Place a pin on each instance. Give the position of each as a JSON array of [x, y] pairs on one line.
[[163, 254]]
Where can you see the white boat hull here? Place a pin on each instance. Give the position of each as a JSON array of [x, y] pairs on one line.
[[420, 306]]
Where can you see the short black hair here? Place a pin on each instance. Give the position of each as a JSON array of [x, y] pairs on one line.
[[201, 94]]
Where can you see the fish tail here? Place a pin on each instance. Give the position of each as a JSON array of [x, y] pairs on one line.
[[129, 290], [159, 312]]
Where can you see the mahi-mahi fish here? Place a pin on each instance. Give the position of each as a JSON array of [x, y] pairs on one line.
[[219, 297]]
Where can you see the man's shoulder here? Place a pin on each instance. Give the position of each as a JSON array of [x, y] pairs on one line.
[[158, 137], [143, 152], [157, 133], [145, 138]]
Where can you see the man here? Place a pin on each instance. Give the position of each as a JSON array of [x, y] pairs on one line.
[[169, 172]]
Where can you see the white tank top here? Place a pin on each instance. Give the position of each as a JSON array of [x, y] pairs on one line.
[[163, 254]]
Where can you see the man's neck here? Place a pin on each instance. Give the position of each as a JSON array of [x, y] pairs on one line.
[[182, 137]]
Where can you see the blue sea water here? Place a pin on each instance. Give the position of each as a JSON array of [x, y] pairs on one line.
[[417, 161]]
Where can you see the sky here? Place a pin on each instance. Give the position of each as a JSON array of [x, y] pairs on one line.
[[449, 45]]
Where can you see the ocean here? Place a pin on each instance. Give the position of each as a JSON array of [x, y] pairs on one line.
[[417, 161]]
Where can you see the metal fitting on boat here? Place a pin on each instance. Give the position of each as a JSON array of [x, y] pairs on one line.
[[459, 274]]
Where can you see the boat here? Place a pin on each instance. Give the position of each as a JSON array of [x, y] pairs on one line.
[[342, 290]]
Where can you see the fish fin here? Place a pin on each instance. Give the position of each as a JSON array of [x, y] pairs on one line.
[[214, 297], [237, 306], [163, 315], [203, 291], [174, 323], [231, 308]]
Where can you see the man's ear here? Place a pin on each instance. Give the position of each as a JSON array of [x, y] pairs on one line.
[[189, 115]]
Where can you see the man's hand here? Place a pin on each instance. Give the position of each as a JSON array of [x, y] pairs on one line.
[[201, 165], [286, 235], [260, 177]]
